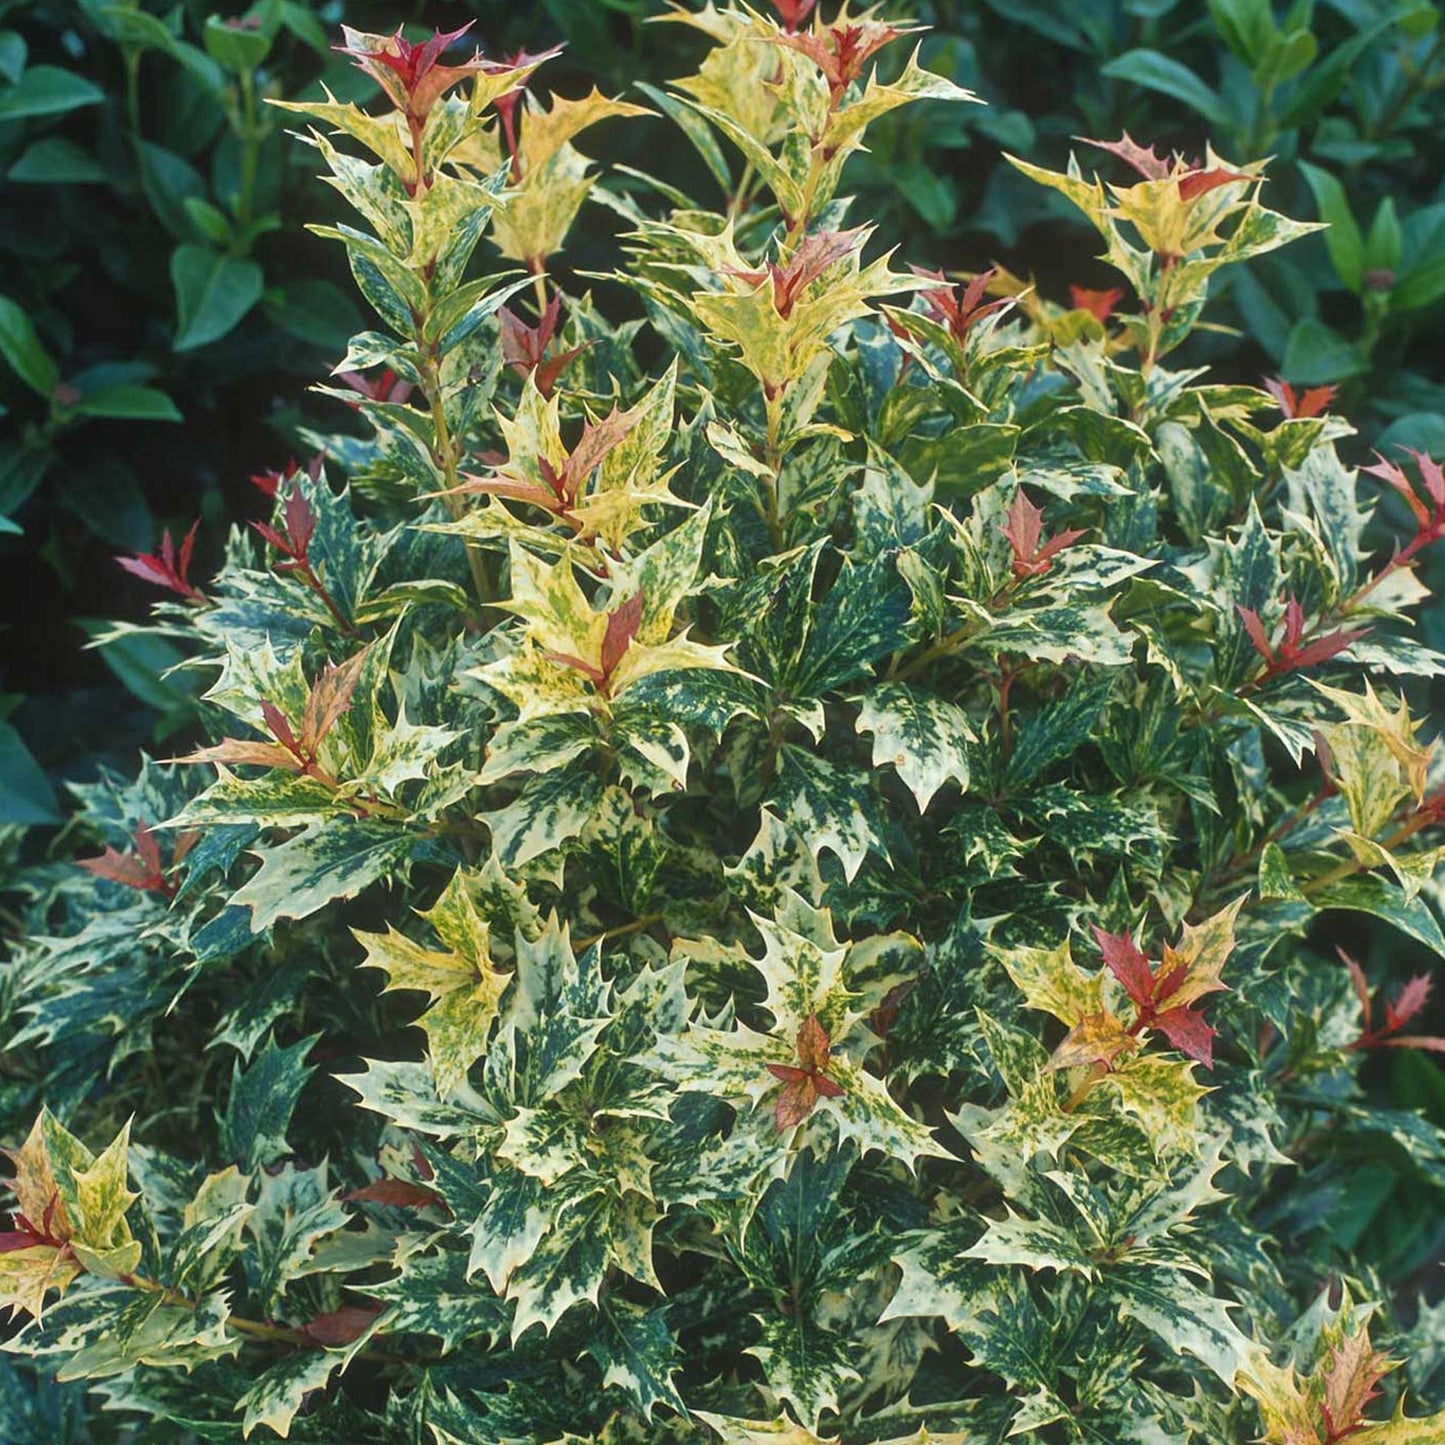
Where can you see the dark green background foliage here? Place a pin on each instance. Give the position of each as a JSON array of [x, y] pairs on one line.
[[163, 313]]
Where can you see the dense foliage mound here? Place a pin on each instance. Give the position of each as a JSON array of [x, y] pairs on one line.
[[766, 873]]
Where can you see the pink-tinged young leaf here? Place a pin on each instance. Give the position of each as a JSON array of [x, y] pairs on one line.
[[814, 1049], [409, 73], [1310, 403], [165, 567], [1361, 983], [1407, 1003], [795, 1101], [120, 867], [1024, 527], [814, 254], [524, 348], [141, 869], [1428, 1042], [329, 699], [1149, 164], [1326, 647], [804, 1086], [386, 387], [241, 750], [1389, 473], [960, 309], [565, 659], [842, 51], [1350, 1382]]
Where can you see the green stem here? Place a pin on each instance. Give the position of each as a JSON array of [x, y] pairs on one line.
[[1414, 83], [445, 453], [249, 132], [131, 57]]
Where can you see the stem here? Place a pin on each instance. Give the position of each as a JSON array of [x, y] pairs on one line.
[[444, 453], [248, 130], [1414, 83], [638, 925], [131, 57], [539, 288]]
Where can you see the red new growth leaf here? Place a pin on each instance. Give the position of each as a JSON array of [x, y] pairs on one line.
[[166, 567], [506, 105], [1024, 530], [1163, 998], [962, 308], [524, 348], [1306, 404], [341, 1326], [300, 527], [387, 387], [622, 627], [1429, 521], [1292, 652], [1193, 179], [793, 12], [560, 486], [142, 868], [808, 1081], [294, 543], [328, 700], [270, 481], [1099, 304], [814, 255], [409, 73], [1408, 1002], [842, 51], [1398, 1012], [1124, 960], [1197, 181], [398, 1193]]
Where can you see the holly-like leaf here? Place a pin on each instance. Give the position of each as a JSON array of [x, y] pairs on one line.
[[461, 981]]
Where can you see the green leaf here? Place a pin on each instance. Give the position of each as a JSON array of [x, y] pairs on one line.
[[1343, 240], [1316, 353], [804, 1365], [280, 1390], [434, 1296], [22, 349], [262, 1100], [25, 793], [213, 293], [324, 862], [130, 403], [47, 90], [637, 1353], [925, 738], [1156, 71], [833, 808], [56, 161], [1387, 901]]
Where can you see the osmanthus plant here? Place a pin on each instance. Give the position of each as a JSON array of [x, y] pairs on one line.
[[767, 873]]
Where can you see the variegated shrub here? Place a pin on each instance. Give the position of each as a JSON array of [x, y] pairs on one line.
[[766, 873]]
